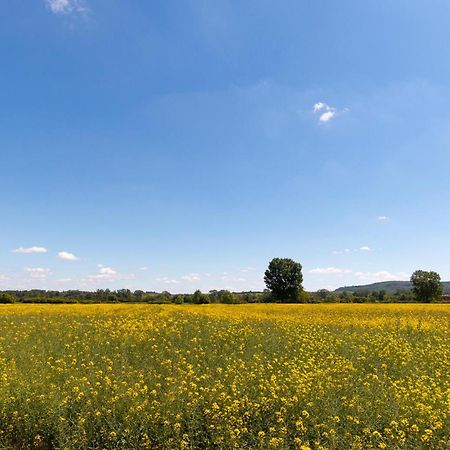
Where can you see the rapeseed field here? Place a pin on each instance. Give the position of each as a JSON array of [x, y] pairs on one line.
[[225, 377]]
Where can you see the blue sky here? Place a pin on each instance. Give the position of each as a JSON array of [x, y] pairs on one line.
[[182, 145]]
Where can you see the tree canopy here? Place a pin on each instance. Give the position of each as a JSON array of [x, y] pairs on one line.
[[284, 279], [427, 286]]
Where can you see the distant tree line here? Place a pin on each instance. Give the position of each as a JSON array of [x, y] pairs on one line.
[[128, 296], [283, 279], [222, 296]]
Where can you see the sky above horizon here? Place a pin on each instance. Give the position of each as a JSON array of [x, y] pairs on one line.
[[183, 145]]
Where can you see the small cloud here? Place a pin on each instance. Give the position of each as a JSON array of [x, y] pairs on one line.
[[326, 112], [327, 116], [67, 256], [191, 277], [3, 278], [28, 250], [109, 274], [247, 269], [38, 272], [167, 280], [143, 268], [64, 280], [107, 271], [319, 106], [327, 270], [364, 248], [382, 275], [383, 219], [65, 7]]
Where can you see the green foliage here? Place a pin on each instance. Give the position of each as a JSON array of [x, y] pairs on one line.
[[284, 279], [323, 294], [388, 287], [427, 286], [5, 297], [199, 298], [178, 299], [227, 297]]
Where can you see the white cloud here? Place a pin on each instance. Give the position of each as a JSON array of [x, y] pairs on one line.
[[327, 116], [191, 277], [167, 280], [383, 219], [28, 250], [107, 271], [3, 278], [247, 269], [59, 6], [143, 268], [38, 272], [382, 275], [66, 256], [364, 248], [326, 112], [319, 106], [323, 270], [109, 274], [64, 280], [64, 7]]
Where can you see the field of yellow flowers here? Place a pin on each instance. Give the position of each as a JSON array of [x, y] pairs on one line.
[[225, 376]]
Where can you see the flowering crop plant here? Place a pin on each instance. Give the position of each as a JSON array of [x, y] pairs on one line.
[[225, 376]]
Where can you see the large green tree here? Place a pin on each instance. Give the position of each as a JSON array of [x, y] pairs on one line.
[[427, 286], [199, 298], [284, 279]]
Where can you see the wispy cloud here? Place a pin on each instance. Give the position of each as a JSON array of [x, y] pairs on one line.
[[327, 270], [67, 256], [382, 275], [383, 219], [363, 248], [28, 250], [3, 278], [247, 269], [167, 280], [143, 268], [64, 7], [38, 272], [191, 277]]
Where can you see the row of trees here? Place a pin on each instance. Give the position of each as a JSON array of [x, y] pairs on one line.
[[283, 278], [128, 296]]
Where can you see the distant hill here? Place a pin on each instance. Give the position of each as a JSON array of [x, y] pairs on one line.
[[390, 287]]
